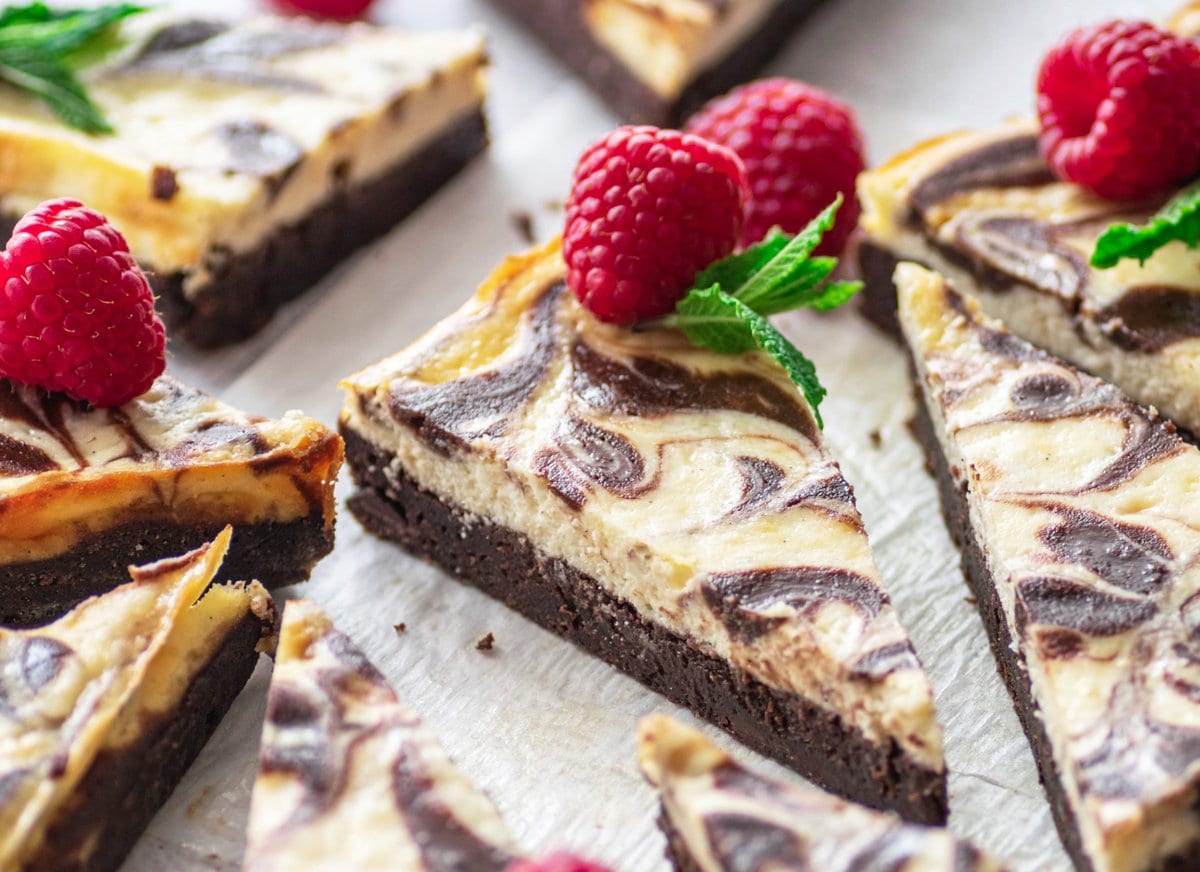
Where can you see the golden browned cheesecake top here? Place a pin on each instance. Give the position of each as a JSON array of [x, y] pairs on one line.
[[67, 469]]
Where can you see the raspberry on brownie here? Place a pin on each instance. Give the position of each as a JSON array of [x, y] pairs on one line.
[[648, 210], [1119, 105], [801, 148], [76, 313]]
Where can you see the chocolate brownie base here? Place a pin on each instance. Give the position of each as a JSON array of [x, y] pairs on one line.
[[124, 789], [677, 851], [1010, 664], [877, 300], [549, 591], [562, 30], [277, 554], [245, 289]]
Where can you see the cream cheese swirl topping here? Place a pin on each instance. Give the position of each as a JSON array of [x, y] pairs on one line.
[[349, 778]]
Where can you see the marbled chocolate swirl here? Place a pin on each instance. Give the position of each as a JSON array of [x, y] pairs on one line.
[[349, 779], [173, 454], [725, 818], [985, 210], [1087, 508], [96, 682], [692, 485]]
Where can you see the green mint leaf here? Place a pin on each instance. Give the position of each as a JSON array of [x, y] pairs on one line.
[[720, 322], [734, 271], [780, 273], [1178, 220], [40, 48], [58, 88]]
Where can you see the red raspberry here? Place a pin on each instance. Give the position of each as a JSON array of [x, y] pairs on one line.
[[76, 313], [801, 148], [338, 10], [1119, 105], [648, 210], [558, 862]]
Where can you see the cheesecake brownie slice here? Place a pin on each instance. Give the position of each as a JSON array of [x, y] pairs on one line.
[[668, 509], [657, 61], [720, 817], [984, 210], [250, 157], [349, 779], [104, 710], [84, 491], [1078, 517]]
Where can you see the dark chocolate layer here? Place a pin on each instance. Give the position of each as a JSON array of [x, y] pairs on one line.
[[561, 29], [276, 554], [124, 789], [1011, 665], [549, 591], [245, 289]]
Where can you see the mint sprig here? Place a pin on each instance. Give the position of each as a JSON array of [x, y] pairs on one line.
[[1178, 220], [41, 49], [726, 311]]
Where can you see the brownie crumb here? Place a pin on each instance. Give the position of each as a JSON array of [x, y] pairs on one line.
[[400, 627], [555, 205], [876, 439], [971, 601], [163, 184], [522, 222], [487, 643]]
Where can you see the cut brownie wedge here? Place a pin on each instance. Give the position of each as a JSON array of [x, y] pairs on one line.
[[720, 817], [349, 779], [104, 710], [657, 61], [668, 509], [250, 157], [85, 491], [985, 210], [1078, 515]]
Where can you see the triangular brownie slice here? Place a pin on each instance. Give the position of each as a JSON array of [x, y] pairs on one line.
[[102, 712], [348, 778], [667, 508], [1078, 514], [84, 491], [719, 816]]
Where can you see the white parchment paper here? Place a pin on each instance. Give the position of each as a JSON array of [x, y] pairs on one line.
[[546, 730]]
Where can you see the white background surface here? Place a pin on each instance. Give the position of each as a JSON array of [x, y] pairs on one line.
[[546, 730]]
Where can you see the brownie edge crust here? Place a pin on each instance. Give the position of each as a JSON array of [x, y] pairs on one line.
[[560, 27], [275, 553], [505, 565]]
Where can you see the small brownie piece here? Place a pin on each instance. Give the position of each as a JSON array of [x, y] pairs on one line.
[[349, 779], [658, 62], [716, 814], [669, 509], [249, 158], [106, 708], [85, 491]]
